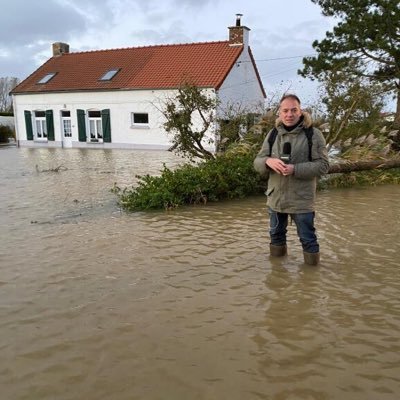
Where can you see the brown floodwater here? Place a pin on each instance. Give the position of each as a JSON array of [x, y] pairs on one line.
[[99, 304]]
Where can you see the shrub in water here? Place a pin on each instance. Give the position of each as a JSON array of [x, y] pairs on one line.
[[228, 176], [5, 133]]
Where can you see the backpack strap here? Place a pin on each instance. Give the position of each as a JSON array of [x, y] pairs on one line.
[[271, 140], [309, 134]]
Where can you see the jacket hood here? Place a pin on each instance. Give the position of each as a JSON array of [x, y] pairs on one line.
[[307, 122]]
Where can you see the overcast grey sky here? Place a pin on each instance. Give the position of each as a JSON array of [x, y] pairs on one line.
[[279, 29]]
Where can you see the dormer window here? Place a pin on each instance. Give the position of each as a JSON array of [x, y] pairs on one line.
[[47, 77], [109, 74]]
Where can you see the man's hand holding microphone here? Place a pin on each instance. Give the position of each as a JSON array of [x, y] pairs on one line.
[[282, 165]]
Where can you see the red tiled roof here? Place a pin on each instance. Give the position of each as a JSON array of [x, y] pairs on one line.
[[151, 67]]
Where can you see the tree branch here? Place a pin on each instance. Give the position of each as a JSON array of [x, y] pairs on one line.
[[375, 58], [349, 166]]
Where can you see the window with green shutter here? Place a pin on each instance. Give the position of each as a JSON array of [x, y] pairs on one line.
[[98, 124]]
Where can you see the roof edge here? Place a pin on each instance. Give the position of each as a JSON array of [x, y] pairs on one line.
[[91, 90], [146, 47], [253, 61]]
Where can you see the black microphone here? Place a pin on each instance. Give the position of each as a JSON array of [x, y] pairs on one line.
[[286, 153]]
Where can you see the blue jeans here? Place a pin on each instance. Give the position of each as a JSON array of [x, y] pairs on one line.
[[278, 223]]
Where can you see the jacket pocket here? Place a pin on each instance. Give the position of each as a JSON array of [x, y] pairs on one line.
[[269, 192]]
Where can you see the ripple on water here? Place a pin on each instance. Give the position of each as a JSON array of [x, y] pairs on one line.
[[101, 304]]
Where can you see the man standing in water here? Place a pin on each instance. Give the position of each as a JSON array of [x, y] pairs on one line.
[[297, 158]]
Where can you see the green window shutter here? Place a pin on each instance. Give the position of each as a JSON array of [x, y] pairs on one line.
[[50, 125], [28, 124], [81, 125], [105, 119]]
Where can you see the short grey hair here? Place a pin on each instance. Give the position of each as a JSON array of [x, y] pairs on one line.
[[289, 96]]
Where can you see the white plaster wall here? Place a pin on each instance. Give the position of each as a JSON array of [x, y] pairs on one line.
[[121, 105], [241, 88]]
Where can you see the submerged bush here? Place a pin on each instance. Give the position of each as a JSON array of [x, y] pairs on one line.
[[5, 133], [226, 177]]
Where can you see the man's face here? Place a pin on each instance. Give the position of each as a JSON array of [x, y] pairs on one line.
[[290, 112]]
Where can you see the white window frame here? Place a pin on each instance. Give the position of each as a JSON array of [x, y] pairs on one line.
[[40, 125], [47, 78], [110, 74], [66, 125], [95, 127], [140, 125]]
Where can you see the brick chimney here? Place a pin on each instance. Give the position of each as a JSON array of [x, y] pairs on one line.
[[238, 34], [60, 48]]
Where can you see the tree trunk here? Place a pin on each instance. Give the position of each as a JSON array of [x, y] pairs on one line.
[[396, 123], [348, 166]]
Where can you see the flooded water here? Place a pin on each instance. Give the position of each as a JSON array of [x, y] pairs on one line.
[[99, 304]]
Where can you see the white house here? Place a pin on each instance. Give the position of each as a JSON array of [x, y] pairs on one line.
[[113, 98]]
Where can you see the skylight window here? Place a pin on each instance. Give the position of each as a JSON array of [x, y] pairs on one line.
[[47, 77], [109, 75]]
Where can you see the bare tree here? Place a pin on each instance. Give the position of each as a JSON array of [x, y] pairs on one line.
[[6, 85]]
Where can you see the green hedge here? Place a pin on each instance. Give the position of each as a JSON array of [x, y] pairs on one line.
[[226, 177], [5, 133], [229, 176]]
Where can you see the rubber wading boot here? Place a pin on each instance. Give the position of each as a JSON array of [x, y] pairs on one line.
[[277, 251], [311, 258]]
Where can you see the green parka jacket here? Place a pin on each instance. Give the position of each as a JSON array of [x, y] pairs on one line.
[[294, 193]]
